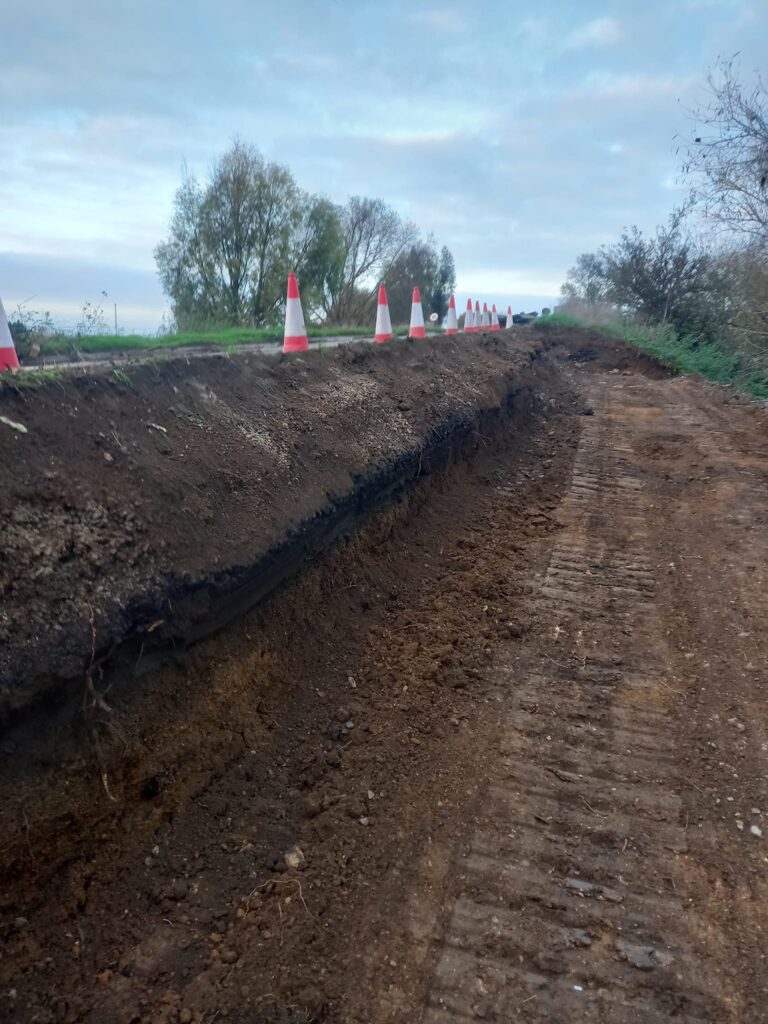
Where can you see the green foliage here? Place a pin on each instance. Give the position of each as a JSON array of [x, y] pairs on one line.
[[233, 242], [30, 381], [665, 278], [712, 360], [227, 339], [234, 239]]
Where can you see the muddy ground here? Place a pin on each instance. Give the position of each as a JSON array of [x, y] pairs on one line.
[[499, 754]]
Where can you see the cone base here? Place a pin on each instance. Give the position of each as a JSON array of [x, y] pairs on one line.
[[8, 359], [417, 332], [295, 344], [380, 338], [452, 330]]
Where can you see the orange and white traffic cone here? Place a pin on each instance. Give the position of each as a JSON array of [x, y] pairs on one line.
[[451, 323], [485, 323], [477, 320], [295, 338], [509, 316], [417, 317], [383, 319], [468, 317], [495, 325], [8, 358]]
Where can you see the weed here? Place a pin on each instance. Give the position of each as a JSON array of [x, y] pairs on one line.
[[30, 381]]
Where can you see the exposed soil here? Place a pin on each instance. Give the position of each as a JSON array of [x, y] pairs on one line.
[[500, 754], [144, 504]]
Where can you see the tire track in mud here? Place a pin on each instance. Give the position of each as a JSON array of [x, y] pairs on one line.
[[572, 902]]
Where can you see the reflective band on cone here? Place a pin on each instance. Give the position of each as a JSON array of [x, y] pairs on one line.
[[451, 323], [383, 320], [485, 323], [417, 317], [495, 325], [8, 358], [295, 338]]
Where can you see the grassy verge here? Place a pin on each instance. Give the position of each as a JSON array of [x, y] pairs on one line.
[[712, 360], [228, 338]]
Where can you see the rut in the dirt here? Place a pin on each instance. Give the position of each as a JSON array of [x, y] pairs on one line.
[[573, 904]]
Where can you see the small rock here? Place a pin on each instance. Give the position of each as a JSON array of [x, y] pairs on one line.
[[756, 831], [229, 956], [185, 1017], [644, 958], [20, 924], [108, 457], [295, 858], [363, 820]]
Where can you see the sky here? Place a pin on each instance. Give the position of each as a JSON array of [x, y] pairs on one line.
[[520, 135]]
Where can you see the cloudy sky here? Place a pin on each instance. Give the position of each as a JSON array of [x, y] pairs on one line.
[[520, 134]]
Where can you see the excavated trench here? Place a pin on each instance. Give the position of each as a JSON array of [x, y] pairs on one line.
[[256, 661], [389, 719]]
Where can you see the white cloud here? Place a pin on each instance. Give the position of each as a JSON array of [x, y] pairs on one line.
[[440, 19], [599, 32], [625, 86]]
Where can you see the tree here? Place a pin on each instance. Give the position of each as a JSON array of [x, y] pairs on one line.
[[233, 242], [316, 250], [587, 279], [445, 284], [727, 157], [372, 238], [666, 278], [234, 239], [417, 266]]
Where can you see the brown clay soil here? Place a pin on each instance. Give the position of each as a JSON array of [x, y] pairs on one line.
[[499, 753]]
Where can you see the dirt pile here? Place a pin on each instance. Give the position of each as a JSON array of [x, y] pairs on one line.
[[159, 503]]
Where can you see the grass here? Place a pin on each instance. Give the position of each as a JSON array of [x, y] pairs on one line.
[[29, 381], [712, 360], [227, 338]]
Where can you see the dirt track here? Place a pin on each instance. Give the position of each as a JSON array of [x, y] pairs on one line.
[[511, 738]]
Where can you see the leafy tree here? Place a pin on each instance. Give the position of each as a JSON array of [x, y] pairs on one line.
[[666, 278], [445, 284], [234, 238], [233, 241], [417, 266]]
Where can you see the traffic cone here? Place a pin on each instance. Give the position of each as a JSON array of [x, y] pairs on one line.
[[509, 316], [451, 323], [468, 318], [485, 323], [417, 317], [495, 325], [477, 319], [295, 338], [383, 320], [8, 358]]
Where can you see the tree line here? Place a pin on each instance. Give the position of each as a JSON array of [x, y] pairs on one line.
[[234, 238], [705, 272]]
